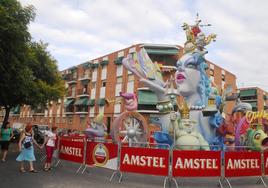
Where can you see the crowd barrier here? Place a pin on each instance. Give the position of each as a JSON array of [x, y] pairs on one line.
[[171, 163], [238, 162]]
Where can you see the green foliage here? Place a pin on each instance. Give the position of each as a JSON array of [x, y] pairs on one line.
[[28, 73], [14, 39], [47, 82]]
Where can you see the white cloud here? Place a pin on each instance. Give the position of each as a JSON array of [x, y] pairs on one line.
[[78, 31]]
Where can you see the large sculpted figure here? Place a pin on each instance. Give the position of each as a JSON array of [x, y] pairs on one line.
[[97, 128], [192, 83]]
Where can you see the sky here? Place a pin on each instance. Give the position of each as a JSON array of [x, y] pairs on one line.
[[81, 30]]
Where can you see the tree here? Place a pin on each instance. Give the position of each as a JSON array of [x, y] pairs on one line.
[[47, 83], [28, 73]]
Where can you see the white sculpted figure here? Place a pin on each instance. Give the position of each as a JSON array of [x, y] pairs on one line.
[[192, 83]]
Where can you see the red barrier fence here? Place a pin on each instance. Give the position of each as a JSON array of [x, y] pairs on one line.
[[156, 161], [102, 154], [72, 149], [265, 161], [242, 163], [144, 160], [196, 163]]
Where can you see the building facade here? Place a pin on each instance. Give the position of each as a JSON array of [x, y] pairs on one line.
[[257, 97], [94, 86]]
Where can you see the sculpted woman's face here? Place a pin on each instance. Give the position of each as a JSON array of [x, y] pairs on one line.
[[187, 76]]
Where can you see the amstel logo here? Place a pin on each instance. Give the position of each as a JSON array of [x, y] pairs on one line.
[[100, 154]]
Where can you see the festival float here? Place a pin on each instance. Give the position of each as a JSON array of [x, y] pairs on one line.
[[199, 123], [196, 139]]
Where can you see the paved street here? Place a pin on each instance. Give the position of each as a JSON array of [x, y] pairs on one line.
[[64, 176]]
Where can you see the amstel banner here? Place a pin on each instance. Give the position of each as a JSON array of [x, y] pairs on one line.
[[144, 161], [102, 154], [72, 149], [265, 160], [242, 163], [196, 163]]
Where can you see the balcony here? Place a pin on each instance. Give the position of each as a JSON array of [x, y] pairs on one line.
[[81, 110], [84, 77], [39, 112], [82, 92], [70, 79], [69, 110], [70, 95]]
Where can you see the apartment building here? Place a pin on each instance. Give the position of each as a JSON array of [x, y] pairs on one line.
[[93, 87], [257, 97]]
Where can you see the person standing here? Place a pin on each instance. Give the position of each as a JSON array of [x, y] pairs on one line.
[[50, 142], [6, 136], [26, 149]]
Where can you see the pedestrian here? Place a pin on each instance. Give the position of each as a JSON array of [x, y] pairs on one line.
[[26, 148], [6, 136], [50, 143]]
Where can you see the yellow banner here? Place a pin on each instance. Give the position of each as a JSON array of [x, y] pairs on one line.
[[251, 116]]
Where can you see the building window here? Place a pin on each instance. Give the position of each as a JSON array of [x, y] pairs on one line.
[[211, 72], [117, 108], [85, 89], [104, 72], [223, 77], [73, 91], [93, 85], [74, 75], [92, 111], [119, 80], [119, 70], [130, 87], [131, 77], [118, 89], [103, 83], [94, 75]]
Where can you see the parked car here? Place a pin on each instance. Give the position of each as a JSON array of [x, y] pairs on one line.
[[39, 133], [17, 129]]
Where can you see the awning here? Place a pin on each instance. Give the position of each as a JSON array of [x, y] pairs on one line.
[[101, 102], [248, 93], [68, 102], [164, 51], [147, 97], [72, 69], [15, 110], [81, 102], [85, 81], [65, 76], [104, 62], [94, 65], [118, 61], [86, 65], [91, 102]]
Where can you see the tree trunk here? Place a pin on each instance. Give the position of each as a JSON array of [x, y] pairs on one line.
[[7, 109]]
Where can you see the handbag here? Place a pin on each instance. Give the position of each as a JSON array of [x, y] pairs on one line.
[[27, 145]]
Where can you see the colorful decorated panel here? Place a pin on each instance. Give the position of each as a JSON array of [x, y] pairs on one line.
[[102, 154]]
